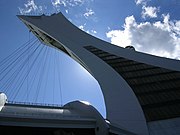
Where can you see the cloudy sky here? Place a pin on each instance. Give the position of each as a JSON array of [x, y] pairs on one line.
[[151, 26]]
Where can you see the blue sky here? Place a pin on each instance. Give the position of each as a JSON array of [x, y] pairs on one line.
[[151, 26]]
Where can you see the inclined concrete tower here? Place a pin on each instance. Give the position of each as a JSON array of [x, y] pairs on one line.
[[141, 91]]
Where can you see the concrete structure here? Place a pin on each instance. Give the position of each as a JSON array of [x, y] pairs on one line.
[[74, 118], [3, 100], [74, 115], [141, 91]]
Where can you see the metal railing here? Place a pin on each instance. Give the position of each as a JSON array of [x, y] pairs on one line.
[[34, 104]]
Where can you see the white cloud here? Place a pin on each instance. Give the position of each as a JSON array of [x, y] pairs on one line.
[[67, 11], [149, 12], [141, 2], [160, 38], [94, 32], [65, 3], [89, 12], [57, 3], [73, 6], [31, 7], [76, 2], [108, 28], [81, 27]]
